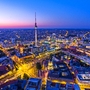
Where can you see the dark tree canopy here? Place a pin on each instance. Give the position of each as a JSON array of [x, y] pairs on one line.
[[38, 66], [19, 77], [25, 76], [51, 55]]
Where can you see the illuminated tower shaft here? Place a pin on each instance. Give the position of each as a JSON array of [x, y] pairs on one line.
[[35, 31]]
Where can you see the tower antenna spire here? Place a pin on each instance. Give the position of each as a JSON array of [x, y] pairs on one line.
[[35, 20], [35, 31]]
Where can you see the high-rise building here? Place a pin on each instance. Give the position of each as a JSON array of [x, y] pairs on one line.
[[35, 31]]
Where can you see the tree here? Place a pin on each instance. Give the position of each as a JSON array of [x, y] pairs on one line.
[[43, 87], [51, 55], [38, 66], [25, 76], [19, 77]]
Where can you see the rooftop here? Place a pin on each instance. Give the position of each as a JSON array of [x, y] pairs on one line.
[[3, 70], [82, 70], [14, 85], [57, 86], [52, 86], [84, 77], [2, 54], [33, 84], [23, 55], [62, 72]]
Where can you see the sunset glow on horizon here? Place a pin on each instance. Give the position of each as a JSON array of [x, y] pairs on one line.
[[50, 13]]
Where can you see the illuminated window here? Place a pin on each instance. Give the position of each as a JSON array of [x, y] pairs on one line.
[[64, 73]]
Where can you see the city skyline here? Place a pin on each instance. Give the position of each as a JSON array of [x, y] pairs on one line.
[[50, 14], [44, 45]]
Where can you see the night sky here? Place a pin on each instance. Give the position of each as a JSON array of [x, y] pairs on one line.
[[50, 13]]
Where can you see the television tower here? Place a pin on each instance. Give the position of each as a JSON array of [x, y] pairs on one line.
[[35, 31]]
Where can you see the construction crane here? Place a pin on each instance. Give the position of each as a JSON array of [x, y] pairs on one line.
[[86, 34], [66, 33]]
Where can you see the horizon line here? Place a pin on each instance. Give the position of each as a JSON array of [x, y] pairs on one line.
[[47, 28]]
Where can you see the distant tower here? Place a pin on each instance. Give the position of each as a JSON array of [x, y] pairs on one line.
[[35, 31]]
